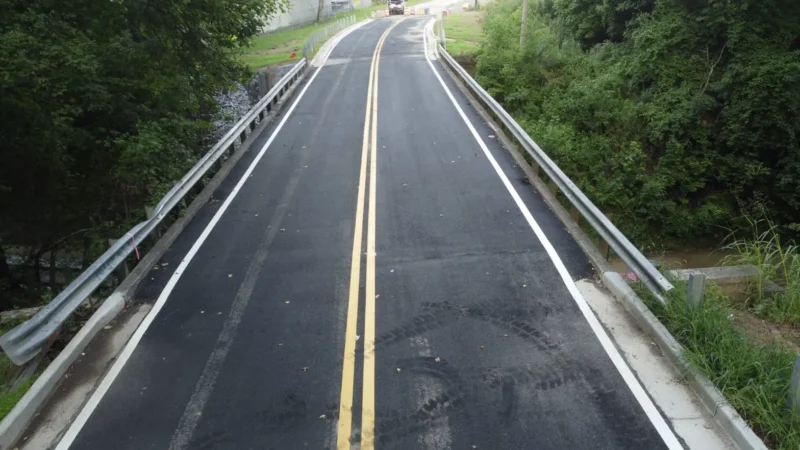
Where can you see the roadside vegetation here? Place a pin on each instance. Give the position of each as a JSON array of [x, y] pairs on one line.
[[778, 261], [746, 342], [674, 116], [754, 376]]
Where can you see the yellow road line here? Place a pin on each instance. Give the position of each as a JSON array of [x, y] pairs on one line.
[[368, 395], [344, 429], [348, 369]]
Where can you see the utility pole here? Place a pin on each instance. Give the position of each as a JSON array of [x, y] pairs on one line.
[[524, 20]]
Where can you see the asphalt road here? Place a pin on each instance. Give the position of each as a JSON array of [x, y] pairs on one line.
[[464, 331]]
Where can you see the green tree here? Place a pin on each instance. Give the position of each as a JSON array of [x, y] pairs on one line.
[[671, 114], [103, 105]]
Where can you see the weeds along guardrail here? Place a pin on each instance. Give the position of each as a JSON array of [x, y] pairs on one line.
[[22, 343], [578, 203], [325, 32]]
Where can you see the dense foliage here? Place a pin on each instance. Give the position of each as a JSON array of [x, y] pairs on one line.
[[103, 106], [672, 114]]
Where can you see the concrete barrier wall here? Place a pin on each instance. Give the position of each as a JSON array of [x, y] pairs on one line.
[[304, 12]]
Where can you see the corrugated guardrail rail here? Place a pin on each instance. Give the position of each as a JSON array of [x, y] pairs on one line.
[[627, 252], [22, 343]]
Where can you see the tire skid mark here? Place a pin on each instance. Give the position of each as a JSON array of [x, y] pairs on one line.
[[509, 320], [415, 327], [509, 380], [434, 411]]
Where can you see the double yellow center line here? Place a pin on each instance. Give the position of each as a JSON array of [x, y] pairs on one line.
[[368, 151]]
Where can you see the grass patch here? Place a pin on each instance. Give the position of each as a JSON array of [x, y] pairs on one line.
[[464, 33], [754, 377], [8, 372], [9, 399], [778, 262], [255, 61]]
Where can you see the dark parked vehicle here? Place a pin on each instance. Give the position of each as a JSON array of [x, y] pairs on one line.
[[397, 7]]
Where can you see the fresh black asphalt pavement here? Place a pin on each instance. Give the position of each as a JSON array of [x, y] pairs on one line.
[[479, 343]]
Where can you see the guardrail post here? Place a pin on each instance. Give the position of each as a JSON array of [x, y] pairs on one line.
[[442, 37], [263, 84], [696, 290], [551, 185], [575, 214], [122, 270], [150, 212]]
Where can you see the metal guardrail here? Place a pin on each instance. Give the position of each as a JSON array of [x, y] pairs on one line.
[[22, 343], [629, 254], [323, 33]]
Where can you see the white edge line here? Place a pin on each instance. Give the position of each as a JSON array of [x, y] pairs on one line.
[[87, 410], [636, 388]]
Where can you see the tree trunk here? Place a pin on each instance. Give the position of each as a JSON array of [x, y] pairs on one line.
[[320, 10], [524, 23], [52, 271], [6, 279], [36, 267], [87, 245]]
